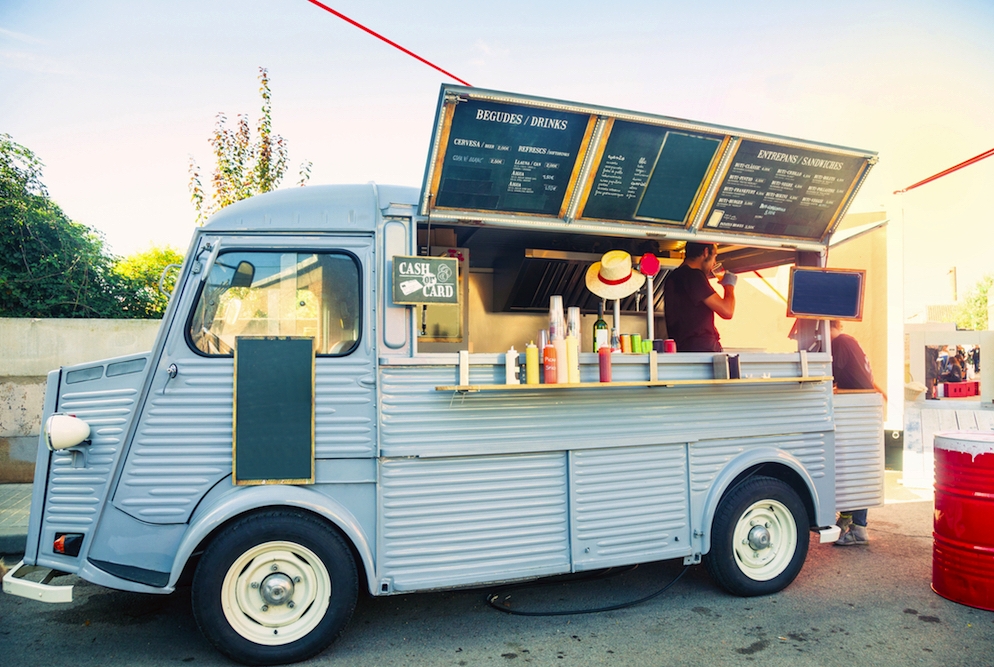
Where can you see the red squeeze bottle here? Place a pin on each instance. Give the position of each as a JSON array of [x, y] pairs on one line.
[[550, 368], [604, 357]]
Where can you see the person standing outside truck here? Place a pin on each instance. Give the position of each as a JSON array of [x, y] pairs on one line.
[[851, 369], [690, 303]]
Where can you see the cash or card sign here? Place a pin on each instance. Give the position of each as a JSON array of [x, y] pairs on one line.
[[425, 280]]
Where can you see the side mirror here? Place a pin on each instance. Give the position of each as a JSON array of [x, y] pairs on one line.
[[65, 431], [244, 273]]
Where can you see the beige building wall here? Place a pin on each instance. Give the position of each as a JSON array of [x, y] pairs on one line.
[[29, 349]]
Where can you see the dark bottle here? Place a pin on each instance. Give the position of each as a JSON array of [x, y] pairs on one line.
[[602, 335]]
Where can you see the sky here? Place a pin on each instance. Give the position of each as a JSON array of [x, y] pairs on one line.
[[116, 97]]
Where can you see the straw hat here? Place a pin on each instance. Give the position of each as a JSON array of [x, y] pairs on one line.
[[613, 276]]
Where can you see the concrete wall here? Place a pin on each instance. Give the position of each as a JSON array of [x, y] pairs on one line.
[[29, 349]]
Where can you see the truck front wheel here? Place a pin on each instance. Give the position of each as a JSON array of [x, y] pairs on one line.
[[759, 538], [274, 588]]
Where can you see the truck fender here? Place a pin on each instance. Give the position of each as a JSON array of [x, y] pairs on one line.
[[240, 500], [738, 465]]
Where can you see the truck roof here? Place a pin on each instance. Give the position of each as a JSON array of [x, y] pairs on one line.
[[315, 208]]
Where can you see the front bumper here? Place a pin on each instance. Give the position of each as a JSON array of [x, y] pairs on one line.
[[828, 534], [15, 584]]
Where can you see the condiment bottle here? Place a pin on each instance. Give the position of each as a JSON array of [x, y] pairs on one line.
[[551, 371], [604, 358], [512, 371], [572, 360], [531, 363]]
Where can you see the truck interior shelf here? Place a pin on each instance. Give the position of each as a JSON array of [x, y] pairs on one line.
[[471, 388]]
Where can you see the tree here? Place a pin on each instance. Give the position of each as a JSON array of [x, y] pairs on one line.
[[142, 271], [243, 167], [51, 266], [972, 313]]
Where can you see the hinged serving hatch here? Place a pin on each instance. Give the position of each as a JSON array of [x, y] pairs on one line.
[[500, 159]]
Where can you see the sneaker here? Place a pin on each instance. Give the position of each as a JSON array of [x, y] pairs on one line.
[[854, 536], [845, 520]]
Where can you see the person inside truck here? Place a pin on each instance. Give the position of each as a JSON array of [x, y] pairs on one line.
[[690, 303], [851, 370]]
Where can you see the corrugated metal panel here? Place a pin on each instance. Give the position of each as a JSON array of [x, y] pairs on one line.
[[629, 505], [183, 443], [447, 522], [78, 481], [709, 457], [344, 414], [417, 420], [859, 451]]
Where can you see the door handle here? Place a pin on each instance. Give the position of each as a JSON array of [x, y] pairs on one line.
[[171, 373]]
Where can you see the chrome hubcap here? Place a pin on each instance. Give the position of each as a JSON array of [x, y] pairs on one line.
[[759, 538], [276, 589]]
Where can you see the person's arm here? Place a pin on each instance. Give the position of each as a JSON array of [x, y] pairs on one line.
[[724, 307]]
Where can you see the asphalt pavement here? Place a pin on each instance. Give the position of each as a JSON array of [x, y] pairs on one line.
[[868, 605]]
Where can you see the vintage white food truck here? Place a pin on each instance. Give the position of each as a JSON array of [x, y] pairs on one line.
[[326, 404]]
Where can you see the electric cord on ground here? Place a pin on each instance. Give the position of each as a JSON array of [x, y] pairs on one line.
[[495, 595]]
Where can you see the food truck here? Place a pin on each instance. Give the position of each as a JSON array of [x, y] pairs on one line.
[[337, 397]]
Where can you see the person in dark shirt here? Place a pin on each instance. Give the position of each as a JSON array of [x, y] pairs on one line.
[[852, 371], [690, 303]]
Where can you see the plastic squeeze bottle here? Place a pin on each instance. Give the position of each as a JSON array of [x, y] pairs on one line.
[[604, 359], [531, 363], [550, 367], [512, 371], [572, 360]]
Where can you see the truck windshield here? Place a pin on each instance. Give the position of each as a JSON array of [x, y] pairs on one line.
[[279, 294]]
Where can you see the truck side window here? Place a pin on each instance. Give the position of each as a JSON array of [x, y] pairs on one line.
[[279, 294]]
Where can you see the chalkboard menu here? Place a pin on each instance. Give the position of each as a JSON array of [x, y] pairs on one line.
[[507, 157], [783, 191], [826, 293], [273, 435], [534, 160], [649, 172]]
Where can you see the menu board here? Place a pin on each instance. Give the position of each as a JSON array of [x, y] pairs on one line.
[[649, 172], [782, 191], [507, 157], [533, 160]]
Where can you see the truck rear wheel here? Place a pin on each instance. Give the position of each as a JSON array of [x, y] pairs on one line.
[[274, 588], [759, 538]]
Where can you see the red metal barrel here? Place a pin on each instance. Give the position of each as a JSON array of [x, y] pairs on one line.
[[963, 538]]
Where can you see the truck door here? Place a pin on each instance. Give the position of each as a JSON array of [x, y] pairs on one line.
[[317, 287]]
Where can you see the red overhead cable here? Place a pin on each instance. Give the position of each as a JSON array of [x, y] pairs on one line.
[[965, 163], [391, 43]]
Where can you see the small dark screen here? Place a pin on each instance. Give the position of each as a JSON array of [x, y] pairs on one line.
[[829, 294]]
